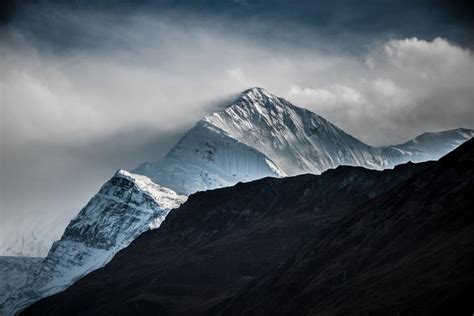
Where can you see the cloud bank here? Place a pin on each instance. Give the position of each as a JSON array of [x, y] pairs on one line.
[[401, 89], [71, 117]]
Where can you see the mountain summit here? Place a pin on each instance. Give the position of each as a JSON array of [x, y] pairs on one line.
[[260, 134]]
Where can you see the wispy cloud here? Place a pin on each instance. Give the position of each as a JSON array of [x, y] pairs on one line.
[[403, 88]]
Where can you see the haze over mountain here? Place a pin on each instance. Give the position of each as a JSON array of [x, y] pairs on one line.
[[256, 136], [350, 241]]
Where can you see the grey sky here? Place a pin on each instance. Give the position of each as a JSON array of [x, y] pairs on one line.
[[87, 91]]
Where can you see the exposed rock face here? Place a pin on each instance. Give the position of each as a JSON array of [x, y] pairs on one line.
[[350, 240], [14, 272]]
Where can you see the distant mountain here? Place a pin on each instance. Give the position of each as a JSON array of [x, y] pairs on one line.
[[258, 135], [261, 135], [428, 146], [349, 241]]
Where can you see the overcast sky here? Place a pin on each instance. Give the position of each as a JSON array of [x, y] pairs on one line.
[[86, 89]]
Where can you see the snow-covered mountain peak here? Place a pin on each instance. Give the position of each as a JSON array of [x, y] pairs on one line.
[[257, 95], [126, 206], [260, 134], [258, 108], [297, 140], [259, 99]]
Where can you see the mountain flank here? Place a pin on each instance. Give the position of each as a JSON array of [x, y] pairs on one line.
[[349, 241]]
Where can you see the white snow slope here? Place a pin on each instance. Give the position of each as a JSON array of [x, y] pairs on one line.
[[207, 158]]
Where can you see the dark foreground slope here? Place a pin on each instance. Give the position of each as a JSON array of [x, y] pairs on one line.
[[408, 251], [350, 240]]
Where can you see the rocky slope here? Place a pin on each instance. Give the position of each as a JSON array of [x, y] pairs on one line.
[[350, 241], [14, 273], [408, 251]]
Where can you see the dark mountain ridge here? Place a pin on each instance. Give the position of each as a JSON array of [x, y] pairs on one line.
[[408, 251], [349, 241]]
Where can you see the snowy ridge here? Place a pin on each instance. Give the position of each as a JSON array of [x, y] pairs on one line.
[[208, 158], [298, 140], [261, 135], [165, 197], [126, 206], [430, 146]]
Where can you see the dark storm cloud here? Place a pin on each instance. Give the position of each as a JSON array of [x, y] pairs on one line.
[[348, 23]]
